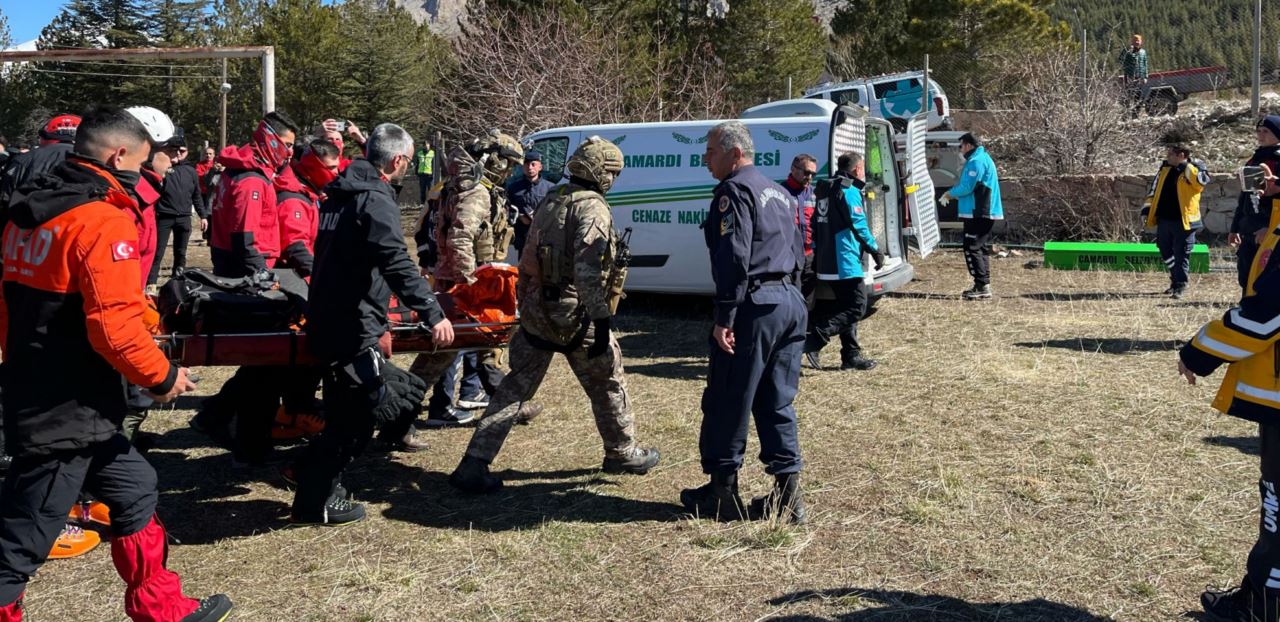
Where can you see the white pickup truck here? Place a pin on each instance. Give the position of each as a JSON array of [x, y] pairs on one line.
[[894, 97]]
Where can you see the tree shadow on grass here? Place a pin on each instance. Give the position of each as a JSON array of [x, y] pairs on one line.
[[899, 606], [675, 370], [1244, 444], [1106, 345]]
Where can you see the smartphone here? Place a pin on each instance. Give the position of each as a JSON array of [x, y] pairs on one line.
[[342, 126], [1253, 178]]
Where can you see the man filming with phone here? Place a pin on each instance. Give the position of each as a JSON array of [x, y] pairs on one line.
[[1254, 208]]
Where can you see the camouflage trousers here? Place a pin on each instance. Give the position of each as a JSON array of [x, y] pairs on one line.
[[601, 377]]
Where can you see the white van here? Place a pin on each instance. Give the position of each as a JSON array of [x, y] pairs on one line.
[[664, 191], [894, 96]]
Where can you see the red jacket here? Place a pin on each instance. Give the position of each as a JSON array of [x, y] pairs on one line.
[[245, 225], [202, 173], [72, 304], [298, 207], [148, 191]]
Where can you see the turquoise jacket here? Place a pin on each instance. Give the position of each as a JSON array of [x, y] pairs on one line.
[[839, 243], [979, 187]]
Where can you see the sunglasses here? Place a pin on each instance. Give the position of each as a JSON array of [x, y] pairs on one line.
[[805, 172]]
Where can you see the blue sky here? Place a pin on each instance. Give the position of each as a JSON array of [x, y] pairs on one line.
[[28, 17]]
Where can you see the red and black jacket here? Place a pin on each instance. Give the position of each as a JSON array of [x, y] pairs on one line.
[[72, 318], [299, 207], [245, 236]]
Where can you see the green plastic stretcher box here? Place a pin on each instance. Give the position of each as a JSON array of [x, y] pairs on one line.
[[1124, 256]]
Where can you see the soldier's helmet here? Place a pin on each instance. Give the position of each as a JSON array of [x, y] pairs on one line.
[[499, 154], [597, 161]]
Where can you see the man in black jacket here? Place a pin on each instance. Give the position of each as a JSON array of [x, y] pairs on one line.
[[1253, 209], [181, 195], [360, 261]]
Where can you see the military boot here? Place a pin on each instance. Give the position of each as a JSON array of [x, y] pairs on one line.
[[638, 462], [784, 502], [716, 499], [472, 476]]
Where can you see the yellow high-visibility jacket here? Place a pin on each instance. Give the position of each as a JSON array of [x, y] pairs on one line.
[[1245, 339], [1190, 184]]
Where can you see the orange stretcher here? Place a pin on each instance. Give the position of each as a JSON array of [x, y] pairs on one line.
[[483, 316]]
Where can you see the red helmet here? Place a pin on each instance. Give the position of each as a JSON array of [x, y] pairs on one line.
[[61, 127]]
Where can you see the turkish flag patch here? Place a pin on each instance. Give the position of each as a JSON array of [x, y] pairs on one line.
[[123, 250]]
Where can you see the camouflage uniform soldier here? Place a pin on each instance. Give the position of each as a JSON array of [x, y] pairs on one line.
[[568, 288], [472, 230]]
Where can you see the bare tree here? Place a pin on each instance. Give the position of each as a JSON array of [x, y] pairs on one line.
[[1061, 122], [581, 74]]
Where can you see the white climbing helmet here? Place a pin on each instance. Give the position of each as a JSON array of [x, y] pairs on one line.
[[158, 124]]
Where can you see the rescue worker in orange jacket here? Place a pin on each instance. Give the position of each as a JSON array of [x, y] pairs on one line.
[[72, 303]]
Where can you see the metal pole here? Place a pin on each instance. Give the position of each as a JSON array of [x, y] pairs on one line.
[[1084, 66], [1257, 58], [788, 87], [924, 88], [269, 80], [222, 140]]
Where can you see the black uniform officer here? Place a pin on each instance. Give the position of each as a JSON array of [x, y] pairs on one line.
[[360, 260], [756, 257]]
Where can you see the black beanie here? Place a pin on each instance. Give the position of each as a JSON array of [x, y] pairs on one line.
[[1271, 122]]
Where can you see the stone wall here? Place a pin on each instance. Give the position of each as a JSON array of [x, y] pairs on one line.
[[1091, 207]]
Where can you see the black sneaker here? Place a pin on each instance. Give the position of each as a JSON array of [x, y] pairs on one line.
[[1168, 291], [977, 292], [450, 418], [337, 511], [813, 360], [859, 363], [639, 463], [215, 608], [474, 403], [1230, 605], [1177, 292]]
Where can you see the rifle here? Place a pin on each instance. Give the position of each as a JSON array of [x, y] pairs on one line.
[[618, 271]]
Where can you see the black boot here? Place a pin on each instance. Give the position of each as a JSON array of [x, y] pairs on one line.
[[472, 476], [716, 499], [1238, 604], [215, 608], [784, 502]]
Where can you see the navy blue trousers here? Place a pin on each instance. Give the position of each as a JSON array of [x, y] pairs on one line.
[[759, 380], [1175, 244]]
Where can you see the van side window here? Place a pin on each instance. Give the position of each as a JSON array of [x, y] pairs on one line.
[[888, 87], [848, 96], [555, 152]]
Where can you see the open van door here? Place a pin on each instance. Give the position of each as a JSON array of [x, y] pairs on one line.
[[848, 133], [920, 201]]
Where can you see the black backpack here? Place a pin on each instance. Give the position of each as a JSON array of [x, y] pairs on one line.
[[197, 302]]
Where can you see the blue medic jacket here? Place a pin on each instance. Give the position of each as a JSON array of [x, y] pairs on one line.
[[840, 231]]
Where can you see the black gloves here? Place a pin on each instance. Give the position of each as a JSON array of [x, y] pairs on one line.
[[878, 258], [403, 394], [600, 339]]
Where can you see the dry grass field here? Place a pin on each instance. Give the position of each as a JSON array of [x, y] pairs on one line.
[[1035, 457]]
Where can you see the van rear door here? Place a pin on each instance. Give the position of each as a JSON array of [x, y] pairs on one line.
[[920, 202], [848, 133]]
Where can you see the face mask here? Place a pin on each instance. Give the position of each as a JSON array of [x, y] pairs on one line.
[[267, 145], [128, 179]]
